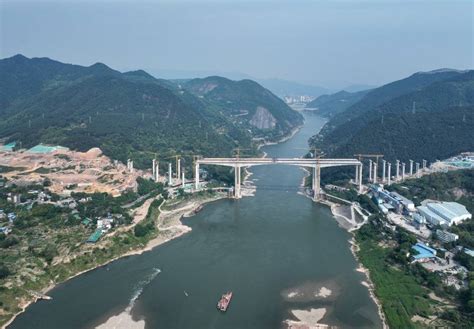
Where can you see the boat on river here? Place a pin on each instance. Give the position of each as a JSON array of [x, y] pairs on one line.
[[224, 302]]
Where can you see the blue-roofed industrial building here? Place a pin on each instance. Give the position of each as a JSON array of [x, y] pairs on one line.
[[424, 253], [43, 149], [7, 147]]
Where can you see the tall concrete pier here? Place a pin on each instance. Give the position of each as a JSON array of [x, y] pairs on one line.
[[237, 178], [384, 163], [178, 168], [411, 167], [389, 171], [170, 174], [375, 172], [316, 183], [370, 170]]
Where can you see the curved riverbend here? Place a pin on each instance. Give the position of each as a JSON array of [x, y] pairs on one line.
[[277, 251]]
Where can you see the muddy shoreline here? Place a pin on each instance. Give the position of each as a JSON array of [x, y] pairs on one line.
[[174, 230]]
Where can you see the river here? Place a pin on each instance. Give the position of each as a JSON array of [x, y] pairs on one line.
[[275, 251]]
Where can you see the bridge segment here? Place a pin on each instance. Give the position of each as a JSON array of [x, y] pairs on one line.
[[315, 163]]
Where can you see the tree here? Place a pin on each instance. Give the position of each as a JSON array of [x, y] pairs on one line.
[[4, 271], [49, 252]]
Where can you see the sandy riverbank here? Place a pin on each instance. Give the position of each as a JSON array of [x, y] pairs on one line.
[[307, 319], [169, 226]]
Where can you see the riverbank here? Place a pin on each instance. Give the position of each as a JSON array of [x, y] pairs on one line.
[[169, 227], [283, 139], [355, 248], [340, 215]]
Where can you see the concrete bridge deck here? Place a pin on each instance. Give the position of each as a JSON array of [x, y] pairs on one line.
[[301, 162], [315, 163]]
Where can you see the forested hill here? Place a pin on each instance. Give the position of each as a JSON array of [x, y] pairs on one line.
[[247, 104], [432, 122], [331, 105], [125, 114], [381, 95]]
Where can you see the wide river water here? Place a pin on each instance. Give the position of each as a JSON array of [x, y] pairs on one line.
[[263, 248]]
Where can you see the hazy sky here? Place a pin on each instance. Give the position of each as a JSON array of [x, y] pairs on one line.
[[330, 43]]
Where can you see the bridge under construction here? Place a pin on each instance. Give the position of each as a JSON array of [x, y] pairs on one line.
[[316, 164]]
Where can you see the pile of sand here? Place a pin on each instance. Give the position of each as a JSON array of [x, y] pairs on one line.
[[122, 321], [93, 153]]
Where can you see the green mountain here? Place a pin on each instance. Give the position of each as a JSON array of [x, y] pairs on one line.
[[330, 105], [431, 122], [128, 114], [379, 96], [247, 104]]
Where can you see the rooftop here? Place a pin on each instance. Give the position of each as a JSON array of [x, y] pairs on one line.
[[40, 148], [423, 251], [7, 147], [427, 211]]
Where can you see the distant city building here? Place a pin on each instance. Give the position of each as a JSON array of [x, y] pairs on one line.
[[445, 236], [444, 213], [298, 99]]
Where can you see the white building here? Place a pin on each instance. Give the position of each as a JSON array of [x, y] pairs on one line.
[[446, 236], [444, 213]]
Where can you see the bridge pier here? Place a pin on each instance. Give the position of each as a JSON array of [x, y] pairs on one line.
[[196, 176], [370, 171], [375, 173], [178, 168], [170, 175], [357, 178], [316, 185], [389, 177], [360, 177], [237, 194], [384, 164]]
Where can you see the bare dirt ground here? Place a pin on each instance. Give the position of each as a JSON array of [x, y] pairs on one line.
[[70, 171]]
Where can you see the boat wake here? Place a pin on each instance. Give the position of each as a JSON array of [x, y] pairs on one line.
[[140, 286]]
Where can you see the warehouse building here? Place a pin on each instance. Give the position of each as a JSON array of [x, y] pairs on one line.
[[446, 237], [444, 213], [423, 253]]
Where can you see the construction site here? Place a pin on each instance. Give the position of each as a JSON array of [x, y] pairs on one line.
[[68, 171]]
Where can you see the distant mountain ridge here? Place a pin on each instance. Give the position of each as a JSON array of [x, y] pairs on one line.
[[129, 114], [330, 105], [427, 115]]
